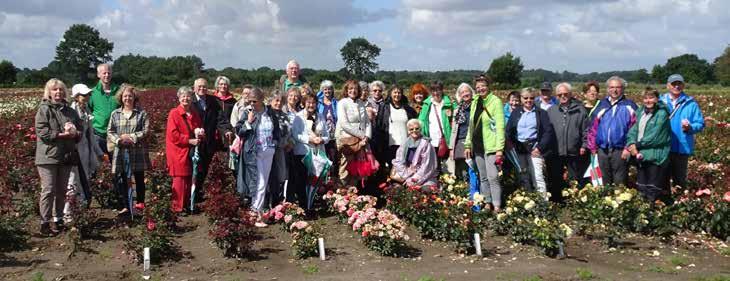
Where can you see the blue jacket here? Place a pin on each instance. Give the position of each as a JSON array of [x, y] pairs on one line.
[[506, 112], [684, 142], [320, 105], [611, 124]]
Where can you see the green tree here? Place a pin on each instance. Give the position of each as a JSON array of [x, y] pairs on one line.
[[722, 67], [506, 71], [359, 56], [640, 76], [80, 51], [7, 72], [659, 74], [691, 67]]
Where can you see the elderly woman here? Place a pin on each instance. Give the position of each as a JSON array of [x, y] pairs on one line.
[[353, 127], [228, 102], [649, 141], [376, 98], [460, 127], [327, 107], [180, 139], [390, 125], [89, 151], [415, 161], [56, 125], [436, 119], [238, 110], [419, 93], [128, 128], [310, 133], [591, 96], [261, 134], [530, 131]]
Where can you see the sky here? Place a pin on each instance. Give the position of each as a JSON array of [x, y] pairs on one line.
[[573, 35]]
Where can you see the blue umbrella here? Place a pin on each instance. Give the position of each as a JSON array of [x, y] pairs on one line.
[[130, 189]]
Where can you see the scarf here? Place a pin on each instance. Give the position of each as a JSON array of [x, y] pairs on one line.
[[313, 117], [222, 97], [410, 143], [462, 112]]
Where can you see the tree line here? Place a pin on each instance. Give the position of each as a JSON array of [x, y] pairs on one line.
[[82, 48]]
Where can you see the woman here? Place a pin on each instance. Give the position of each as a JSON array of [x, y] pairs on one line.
[[128, 127], [390, 125], [180, 140], [310, 133], [419, 93], [530, 131], [415, 160], [460, 125], [436, 119], [513, 102], [591, 96], [222, 86], [375, 99], [353, 128], [327, 107], [89, 151], [649, 141], [56, 125], [485, 141], [238, 110], [261, 135]]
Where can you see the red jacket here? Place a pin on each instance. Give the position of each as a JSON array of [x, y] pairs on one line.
[[176, 141]]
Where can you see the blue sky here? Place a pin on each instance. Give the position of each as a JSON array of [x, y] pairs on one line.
[[578, 36]]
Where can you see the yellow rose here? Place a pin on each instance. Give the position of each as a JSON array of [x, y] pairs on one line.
[[529, 205], [625, 196], [501, 216], [566, 193], [584, 199], [614, 204], [510, 210], [567, 230]]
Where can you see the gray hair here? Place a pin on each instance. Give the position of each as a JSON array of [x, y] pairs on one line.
[[617, 78], [98, 67], [292, 62], [326, 84], [364, 86], [184, 90], [461, 87], [566, 85], [377, 83], [258, 93], [414, 121], [224, 79], [529, 90]]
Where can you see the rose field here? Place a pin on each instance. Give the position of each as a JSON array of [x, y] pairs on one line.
[[600, 233]]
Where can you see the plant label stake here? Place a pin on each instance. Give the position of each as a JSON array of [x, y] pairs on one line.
[[146, 273], [320, 241], [286, 183], [477, 244]]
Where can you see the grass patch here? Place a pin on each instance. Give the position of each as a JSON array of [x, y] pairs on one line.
[[584, 273], [310, 269], [38, 276], [533, 278], [425, 278], [725, 251], [678, 261], [721, 277]]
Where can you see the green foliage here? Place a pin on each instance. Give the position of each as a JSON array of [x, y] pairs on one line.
[[722, 67], [310, 269], [505, 71], [530, 219], [359, 56], [7, 72], [141, 70], [692, 68], [584, 273], [38, 276], [80, 51]]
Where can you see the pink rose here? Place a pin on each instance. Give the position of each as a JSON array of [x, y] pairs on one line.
[[365, 234], [287, 218], [278, 216], [726, 197], [703, 191], [151, 225]]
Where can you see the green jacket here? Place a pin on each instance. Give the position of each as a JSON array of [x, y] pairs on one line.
[[655, 144], [49, 122], [447, 110], [101, 106], [492, 128]]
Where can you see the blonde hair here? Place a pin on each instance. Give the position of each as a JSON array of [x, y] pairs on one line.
[[126, 88], [53, 82]]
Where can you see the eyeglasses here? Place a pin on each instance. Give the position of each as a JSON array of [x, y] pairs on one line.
[[414, 129], [252, 101], [528, 98]]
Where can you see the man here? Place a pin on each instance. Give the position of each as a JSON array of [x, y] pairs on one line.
[[208, 108], [686, 120], [102, 103], [570, 120], [546, 99], [292, 78], [606, 137]]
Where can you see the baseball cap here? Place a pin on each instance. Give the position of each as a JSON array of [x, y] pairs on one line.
[[79, 89], [675, 78], [546, 86]]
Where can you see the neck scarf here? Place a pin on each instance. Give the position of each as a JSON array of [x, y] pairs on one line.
[[222, 97], [462, 112]]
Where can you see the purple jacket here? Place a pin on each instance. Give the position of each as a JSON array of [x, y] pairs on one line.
[[423, 167]]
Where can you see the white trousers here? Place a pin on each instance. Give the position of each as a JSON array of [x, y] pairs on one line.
[[264, 159]]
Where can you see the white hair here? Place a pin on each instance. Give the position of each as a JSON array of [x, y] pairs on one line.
[[224, 79], [617, 78], [377, 83], [566, 85], [363, 86], [414, 121], [461, 87], [292, 62], [529, 90], [184, 90], [326, 84], [98, 67]]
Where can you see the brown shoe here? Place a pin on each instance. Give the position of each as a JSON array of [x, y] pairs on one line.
[[47, 231]]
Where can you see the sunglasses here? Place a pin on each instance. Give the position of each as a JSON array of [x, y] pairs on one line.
[[528, 98], [414, 129]]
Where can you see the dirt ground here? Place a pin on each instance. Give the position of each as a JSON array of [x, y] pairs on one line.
[[348, 259]]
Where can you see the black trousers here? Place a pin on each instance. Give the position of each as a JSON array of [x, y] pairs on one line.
[[122, 183], [205, 158], [556, 166], [678, 168], [614, 169], [651, 180], [295, 189]]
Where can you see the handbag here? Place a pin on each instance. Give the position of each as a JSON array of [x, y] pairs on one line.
[[443, 149], [71, 157], [350, 145], [395, 177]]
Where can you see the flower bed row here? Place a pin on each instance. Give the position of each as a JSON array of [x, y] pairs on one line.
[[381, 231], [303, 234]]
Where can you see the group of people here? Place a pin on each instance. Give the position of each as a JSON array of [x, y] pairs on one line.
[[372, 135]]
